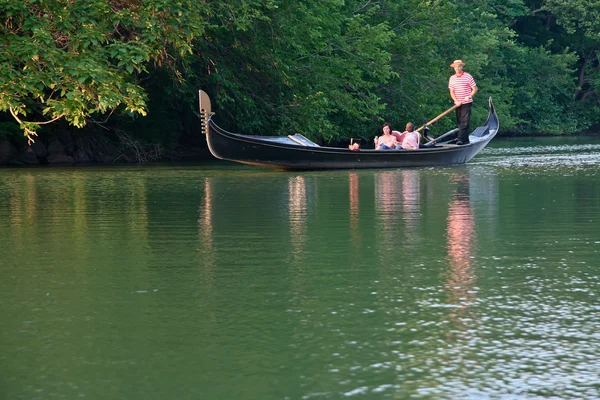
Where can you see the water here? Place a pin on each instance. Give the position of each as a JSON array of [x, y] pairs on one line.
[[230, 282]]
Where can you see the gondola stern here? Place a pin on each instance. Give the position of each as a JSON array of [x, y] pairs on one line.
[[492, 120]]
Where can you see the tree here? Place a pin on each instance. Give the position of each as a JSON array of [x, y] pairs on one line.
[[581, 21], [305, 67], [326, 68], [76, 59]]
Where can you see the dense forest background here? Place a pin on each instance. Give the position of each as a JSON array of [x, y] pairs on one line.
[[122, 76]]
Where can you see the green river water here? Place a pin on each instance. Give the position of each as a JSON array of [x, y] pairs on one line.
[[222, 281]]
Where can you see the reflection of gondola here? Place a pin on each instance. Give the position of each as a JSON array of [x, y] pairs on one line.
[[297, 152]]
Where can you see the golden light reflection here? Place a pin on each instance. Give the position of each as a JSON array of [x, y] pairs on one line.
[[207, 257], [137, 213], [16, 208], [23, 201], [23, 210], [205, 225], [355, 242], [32, 205], [354, 197], [80, 215], [297, 214]]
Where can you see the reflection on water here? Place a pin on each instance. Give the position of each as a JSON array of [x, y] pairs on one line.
[[205, 225], [388, 191], [462, 247], [463, 282], [411, 205], [461, 232], [566, 154], [354, 209], [297, 214], [353, 187], [398, 210]]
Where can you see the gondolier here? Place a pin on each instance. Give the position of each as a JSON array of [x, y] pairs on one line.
[[462, 89]]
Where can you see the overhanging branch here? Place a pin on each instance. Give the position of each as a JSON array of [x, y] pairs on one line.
[[29, 132]]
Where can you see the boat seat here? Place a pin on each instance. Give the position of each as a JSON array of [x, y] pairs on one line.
[[298, 138]]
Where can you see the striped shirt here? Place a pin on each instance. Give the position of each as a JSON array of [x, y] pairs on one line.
[[462, 86]]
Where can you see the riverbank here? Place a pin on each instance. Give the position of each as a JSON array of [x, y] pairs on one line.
[[82, 152]]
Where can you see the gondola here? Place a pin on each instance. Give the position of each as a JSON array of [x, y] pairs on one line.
[[299, 153]]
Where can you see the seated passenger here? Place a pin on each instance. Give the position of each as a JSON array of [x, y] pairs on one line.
[[387, 141], [411, 138]]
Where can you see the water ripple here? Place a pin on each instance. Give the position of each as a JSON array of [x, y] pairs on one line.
[[566, 159]]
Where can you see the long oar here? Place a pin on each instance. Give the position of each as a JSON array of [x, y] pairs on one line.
[[439, 116], [425, 134], [445, 135]]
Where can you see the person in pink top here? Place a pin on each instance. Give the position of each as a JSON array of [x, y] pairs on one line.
[[462, 89], [410, 138]]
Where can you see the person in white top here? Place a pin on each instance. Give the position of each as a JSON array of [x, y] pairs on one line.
[[462, 89], [411, 138]]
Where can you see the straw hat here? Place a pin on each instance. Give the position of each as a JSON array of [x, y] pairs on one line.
[[457, 62]]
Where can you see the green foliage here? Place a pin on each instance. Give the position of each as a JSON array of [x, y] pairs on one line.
[[73, 59], [330, 69], [577, 15], [566, 28], [419, 77], [543, 90], [304, 67]]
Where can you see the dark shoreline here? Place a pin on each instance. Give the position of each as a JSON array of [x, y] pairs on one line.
[[57, 154]]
